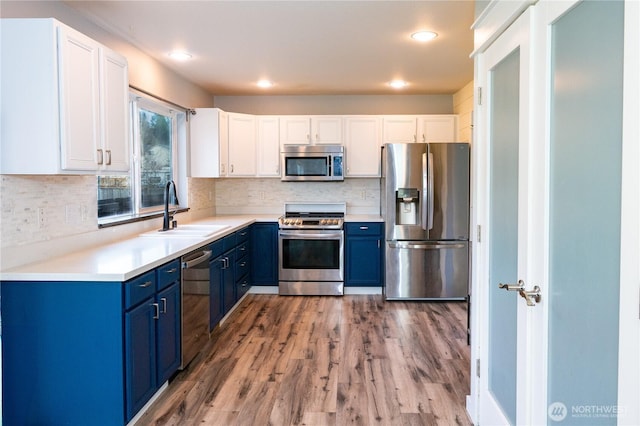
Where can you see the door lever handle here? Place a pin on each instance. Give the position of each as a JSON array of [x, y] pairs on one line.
[[532, 296], [512, 287]]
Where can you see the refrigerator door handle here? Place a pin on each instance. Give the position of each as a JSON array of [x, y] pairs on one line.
[[424, 246], [425, 189], [430, 181]]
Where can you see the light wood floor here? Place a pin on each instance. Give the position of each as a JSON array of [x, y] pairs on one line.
[[285, 360]]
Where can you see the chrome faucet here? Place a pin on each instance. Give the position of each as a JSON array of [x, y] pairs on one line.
[[168, 222]]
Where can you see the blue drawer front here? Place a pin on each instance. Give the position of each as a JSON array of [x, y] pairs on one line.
[[139, 288], [168, 274], [242, 235], [242, 267], [217, 248], [242, 249], [364, 228], [228, 242]]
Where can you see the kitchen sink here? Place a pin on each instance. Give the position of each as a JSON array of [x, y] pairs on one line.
[[187, 231]]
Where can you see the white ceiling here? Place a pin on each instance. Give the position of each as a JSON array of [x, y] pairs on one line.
[[305, 47]]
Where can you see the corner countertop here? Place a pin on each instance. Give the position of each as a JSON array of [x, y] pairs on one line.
[[125, 259]]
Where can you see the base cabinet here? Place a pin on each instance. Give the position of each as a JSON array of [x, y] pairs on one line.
[[364, 254], [76, 352], [264, 254], [229, 274]]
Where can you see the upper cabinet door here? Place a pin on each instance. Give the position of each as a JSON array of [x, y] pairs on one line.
[[399, 129], [242, 145], [295, 130], [437, 128], [268, 146], [79, 70], [209, 142], [311, 130], [115, 116], [363, 138], [326, 129]]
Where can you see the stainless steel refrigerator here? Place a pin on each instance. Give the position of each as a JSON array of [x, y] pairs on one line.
[[425, 205]]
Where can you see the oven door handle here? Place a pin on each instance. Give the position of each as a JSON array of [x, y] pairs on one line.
[[311, 235]]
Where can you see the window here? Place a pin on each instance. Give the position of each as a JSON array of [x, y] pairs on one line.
[[154, 135]]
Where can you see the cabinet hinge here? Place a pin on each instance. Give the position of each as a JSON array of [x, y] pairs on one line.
[[478, 367], [479, 95], [479, 236]]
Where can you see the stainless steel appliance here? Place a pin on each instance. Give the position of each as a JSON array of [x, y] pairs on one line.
[[311, 249], [312, 163], [195, 303], [425, 204]]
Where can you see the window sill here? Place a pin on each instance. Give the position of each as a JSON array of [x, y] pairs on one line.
[[124, 219]]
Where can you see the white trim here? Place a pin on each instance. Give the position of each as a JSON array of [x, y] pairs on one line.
[[146, 407], [629, 328], [494, 20]]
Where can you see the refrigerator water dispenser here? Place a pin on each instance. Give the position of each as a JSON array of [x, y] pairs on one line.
[[407, 206]]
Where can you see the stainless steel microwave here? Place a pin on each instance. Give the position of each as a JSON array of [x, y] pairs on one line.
[[312, 163]]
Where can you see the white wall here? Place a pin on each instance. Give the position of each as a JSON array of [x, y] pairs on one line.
[[144, 72], [337, 104]]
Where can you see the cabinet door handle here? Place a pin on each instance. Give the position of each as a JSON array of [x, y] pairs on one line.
[[157, 309], [164, 305], [232, 168], [108, 152], [145, 284], [100, 157]]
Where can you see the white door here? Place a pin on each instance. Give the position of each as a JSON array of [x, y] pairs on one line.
[[507, 352], [556, 166]]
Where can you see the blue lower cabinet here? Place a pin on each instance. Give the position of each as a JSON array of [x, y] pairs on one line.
[[74, 353], [141, 365], [264, 254], [228, 282], [216, 278], [364, 254], [168, 332]]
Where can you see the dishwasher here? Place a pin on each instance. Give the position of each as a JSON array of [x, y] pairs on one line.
[[195, 303]]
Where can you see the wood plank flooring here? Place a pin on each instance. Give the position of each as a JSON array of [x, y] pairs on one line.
[[307, 360]]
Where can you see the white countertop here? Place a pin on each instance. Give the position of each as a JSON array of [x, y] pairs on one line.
[[128, 258]]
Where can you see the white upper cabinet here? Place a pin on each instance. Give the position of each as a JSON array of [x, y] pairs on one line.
[[268, 146], [399, 129], [437, 128], [209, 143], [311, 130], [420, 128], [242, 145], [363, 139], [64, 101]]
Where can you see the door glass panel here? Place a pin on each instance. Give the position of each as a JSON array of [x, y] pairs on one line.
[[503, 250], [585, 176]]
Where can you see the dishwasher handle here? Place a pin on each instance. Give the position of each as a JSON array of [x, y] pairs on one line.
[[190, 263]]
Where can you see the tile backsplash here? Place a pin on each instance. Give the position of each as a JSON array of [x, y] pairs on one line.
[[267, 196], [46, 216]]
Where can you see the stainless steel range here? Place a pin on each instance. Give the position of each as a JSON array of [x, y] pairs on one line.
[[311, 249]]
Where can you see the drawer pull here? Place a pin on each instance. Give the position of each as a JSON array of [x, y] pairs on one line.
[[145, 284], [364, 228], [171, 271]]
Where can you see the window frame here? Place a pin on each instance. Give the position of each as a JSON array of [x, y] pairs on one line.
[[137, 101]]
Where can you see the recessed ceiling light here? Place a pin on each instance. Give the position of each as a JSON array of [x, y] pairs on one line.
[[398, 84], [424, 35], [180, 55], [265, 84]]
